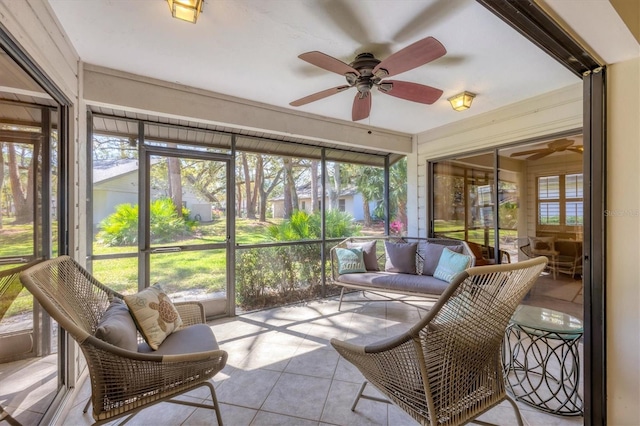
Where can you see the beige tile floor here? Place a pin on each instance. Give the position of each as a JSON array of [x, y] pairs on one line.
[[281, 368], [283, 371]]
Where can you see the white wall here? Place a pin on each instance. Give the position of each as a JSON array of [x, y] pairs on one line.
[[552, 112], [623, 234]]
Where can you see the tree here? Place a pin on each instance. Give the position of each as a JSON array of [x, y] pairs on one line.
[[175, 183], [370, 184], [314, 185], [398, 190], [334, 190], [23, 202], [290, 193], [266, 183], [250, 195]]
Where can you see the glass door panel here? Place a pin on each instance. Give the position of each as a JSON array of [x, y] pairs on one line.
[[187, 229], [113, 204], [464, 199]]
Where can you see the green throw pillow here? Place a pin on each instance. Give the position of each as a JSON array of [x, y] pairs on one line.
[[350, 260], [451, 264]]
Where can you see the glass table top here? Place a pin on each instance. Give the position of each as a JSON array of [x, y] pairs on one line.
[[545, 319]]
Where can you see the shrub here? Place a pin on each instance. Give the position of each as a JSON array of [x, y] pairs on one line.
[[121, 227]]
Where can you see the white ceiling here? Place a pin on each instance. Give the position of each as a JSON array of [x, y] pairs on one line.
[[249, 49]]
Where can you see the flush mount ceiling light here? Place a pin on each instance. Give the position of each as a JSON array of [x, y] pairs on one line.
[[187, 10], [462, 101]]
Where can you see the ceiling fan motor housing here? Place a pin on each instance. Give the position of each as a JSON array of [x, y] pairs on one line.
[[364, 63]]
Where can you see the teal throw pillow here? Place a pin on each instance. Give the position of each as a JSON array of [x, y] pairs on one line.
[[450, 265], [350, 260]]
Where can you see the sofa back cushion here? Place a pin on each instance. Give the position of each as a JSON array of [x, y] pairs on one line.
[[430, 253], [350, 260], [368, 253], [400, 257]]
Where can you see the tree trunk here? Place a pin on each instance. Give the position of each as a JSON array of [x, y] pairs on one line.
[[289, 188], [366, 211], [250, 200], [259, 188], [24, 211], [335, 191], [314, 186], [266, 192], [175, 183], [239, 200]]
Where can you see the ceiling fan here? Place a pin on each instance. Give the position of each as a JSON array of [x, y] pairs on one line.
[[366, 72], [555, 146]]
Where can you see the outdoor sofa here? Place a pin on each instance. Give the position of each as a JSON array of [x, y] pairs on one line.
[[414, 276]]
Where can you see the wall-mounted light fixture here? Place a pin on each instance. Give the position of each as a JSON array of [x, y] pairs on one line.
[[187, 10], [462, 101]]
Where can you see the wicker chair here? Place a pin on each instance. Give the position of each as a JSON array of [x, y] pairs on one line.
[[447, 369], [122, 381]]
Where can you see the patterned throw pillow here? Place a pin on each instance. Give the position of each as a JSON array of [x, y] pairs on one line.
[[350, 260], [451, 264], [154, 314]]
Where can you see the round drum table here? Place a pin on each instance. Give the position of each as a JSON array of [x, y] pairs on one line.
[[542, 361]]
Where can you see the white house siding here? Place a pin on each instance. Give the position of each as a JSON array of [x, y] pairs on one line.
[[123, 189]]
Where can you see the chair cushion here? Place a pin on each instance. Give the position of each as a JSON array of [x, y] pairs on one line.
[[400, 257], [368, 253], [195, 338], [350, 260], [117, 327], [430, 253], [154, 314], [451, 264]]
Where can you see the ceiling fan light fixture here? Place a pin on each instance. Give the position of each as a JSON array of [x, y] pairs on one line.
[[461, 101], [186, 10]]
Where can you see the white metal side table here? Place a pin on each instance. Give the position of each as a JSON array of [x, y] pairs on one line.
[[541, 360]]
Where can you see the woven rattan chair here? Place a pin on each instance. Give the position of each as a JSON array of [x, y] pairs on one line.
[[122, 381], [447, 370]]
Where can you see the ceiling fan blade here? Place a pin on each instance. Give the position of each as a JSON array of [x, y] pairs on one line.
[[319, 95], [361, 106], [410, 91], [412, 56], [533, 151], [541, 154], [327, 62], [560, 144]]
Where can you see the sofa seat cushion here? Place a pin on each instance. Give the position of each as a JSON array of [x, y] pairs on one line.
[[195, 338], [396, 282]]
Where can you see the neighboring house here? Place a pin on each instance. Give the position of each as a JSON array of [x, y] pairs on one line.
[[349, 201], [115, 182]]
